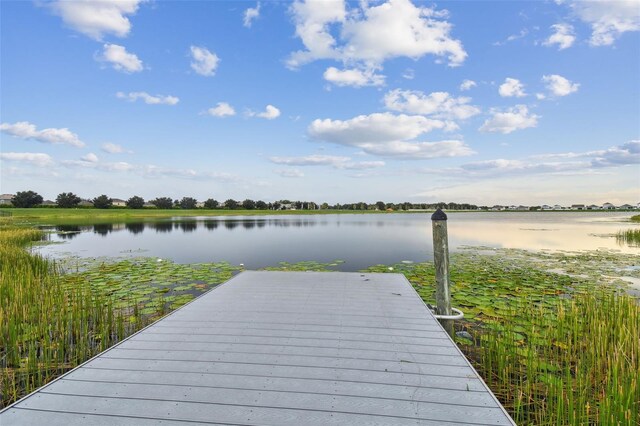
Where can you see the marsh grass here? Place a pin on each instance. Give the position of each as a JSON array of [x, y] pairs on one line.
[[47, 327], [629, 237], [555, 349], [577, 364]]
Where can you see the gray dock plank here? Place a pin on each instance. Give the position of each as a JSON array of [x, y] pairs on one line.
[[278, 348], [289, 384]]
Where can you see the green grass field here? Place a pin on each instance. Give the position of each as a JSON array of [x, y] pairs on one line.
[[79, 216]]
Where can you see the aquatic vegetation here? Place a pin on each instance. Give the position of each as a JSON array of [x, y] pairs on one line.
[[573, 365], [305, 266], [556, 347], [629, 237], [46, 327], [154, 286], [54, 316], [635, 218]]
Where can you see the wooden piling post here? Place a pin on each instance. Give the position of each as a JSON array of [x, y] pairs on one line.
[[441, 260]]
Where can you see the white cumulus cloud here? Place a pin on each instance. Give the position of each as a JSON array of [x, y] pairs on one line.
[[26, 130], [437, 104], [90, 157], [511, 87], [512, 119], [621, 155], [35, 158], [269, 113], [203, 61], [120, 59], [222, 109], [467, 85], [609, 19], [369, 34], [563, 36], [559, 86], [97, 18], [419, 150], [373, 128], [251, 14], [148, 99], [353, 77], [113, 148], [387, 134]]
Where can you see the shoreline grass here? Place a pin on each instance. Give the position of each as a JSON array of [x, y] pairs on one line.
[[555, 349], [630, 237], [58, 216], [47, 327], [577, 364]]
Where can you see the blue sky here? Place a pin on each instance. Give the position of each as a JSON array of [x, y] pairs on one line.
[[469, 101]]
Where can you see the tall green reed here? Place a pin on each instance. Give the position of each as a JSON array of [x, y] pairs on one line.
[[630, 237], [576, 365], [48, 327]]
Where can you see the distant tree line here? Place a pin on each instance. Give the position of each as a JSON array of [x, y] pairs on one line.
[[70, 200]]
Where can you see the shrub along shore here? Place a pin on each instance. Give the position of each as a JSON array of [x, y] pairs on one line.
[[555, 348]]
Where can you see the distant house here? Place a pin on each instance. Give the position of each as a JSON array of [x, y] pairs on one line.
[[593, 207], [48, 203], [578, 207], [117, 202], [608, 206], [5, 199], [522, 208], [546, 207], [85, 203], [148, 205], [200, 204], [558, 207], [497, 208], [626, 207]]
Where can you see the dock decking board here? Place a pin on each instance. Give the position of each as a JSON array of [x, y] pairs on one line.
[[277, 348]]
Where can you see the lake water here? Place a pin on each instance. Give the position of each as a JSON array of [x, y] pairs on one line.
[[360, 240]]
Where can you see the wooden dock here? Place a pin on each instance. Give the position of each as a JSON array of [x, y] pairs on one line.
[[277, 348]]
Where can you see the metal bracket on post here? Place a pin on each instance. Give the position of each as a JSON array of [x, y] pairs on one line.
[[441, 260]]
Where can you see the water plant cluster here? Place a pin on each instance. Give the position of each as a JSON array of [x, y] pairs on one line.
[[47, 327], [556, 347], [56, 315], [576, 364], [154, 286], [630, 237]]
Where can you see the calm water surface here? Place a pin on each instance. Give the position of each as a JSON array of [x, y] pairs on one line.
[[359, 240]]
